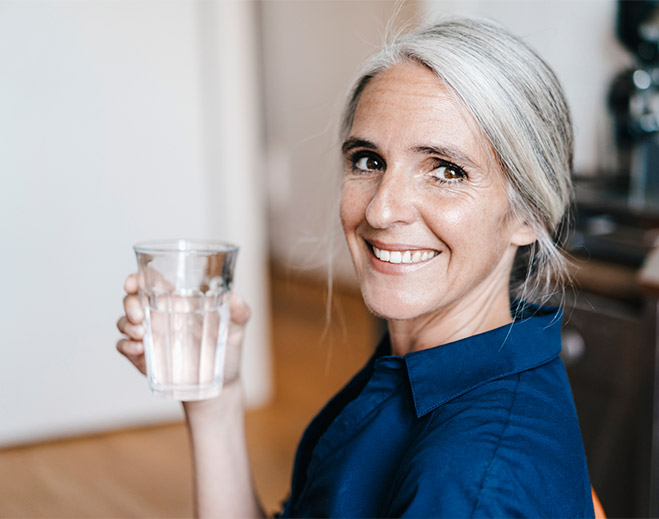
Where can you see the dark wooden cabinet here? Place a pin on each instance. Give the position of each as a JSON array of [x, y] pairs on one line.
[[609, 350]]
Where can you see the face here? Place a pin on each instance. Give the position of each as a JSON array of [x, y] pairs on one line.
[[424, 209]]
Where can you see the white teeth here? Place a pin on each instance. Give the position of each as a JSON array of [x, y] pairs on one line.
[[408, 256]]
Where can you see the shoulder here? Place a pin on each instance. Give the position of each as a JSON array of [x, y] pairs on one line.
[[508, 448]]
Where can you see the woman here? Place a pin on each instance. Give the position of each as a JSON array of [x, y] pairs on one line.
[[458, 152]]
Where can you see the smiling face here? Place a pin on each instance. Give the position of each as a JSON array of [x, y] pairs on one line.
[[424, 208]]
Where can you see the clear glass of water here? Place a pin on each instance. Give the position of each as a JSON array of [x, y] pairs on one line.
[[184, 288]]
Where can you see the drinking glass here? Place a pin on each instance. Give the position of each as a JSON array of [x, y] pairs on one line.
[[184, 288]]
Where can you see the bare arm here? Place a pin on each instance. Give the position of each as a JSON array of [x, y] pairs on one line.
[[223, 482]]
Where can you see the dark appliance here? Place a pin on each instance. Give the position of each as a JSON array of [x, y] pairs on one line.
[[634, 101]]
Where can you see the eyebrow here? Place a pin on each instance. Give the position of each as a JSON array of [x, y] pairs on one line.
[[447, 152], [355, 142]]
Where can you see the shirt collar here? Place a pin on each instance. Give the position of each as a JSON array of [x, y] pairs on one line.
[[442, 373]]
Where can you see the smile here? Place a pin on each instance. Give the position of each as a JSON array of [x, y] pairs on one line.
[[404, 256]]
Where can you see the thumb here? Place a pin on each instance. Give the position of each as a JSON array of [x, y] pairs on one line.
[[240, 312]]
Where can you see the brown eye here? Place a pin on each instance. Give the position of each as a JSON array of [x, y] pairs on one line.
[[448, 173], [368, 163]]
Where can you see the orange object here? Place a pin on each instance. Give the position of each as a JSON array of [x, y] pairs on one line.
[[599, 511]]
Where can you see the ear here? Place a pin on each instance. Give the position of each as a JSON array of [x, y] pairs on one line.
[[523, 234]]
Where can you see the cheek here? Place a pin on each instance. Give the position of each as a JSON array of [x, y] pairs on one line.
[[455, 220], [351, 210], [453, 215], [344, 212], [469, 227]]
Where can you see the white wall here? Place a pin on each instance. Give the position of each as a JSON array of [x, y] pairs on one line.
[[106, 137]]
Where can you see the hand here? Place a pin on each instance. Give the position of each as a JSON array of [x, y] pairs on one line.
[[131, 326], [132, 347], [240, 314]]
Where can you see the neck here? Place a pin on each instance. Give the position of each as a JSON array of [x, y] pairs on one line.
[[477, 314]]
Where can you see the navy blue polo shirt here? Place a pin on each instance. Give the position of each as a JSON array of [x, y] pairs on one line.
[[481, 427]]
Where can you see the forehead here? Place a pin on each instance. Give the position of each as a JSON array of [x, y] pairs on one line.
[[409, 105]]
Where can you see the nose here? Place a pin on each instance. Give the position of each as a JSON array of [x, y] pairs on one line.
[[393, 202]]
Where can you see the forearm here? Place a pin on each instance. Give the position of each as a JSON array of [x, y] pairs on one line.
[[223, 483]]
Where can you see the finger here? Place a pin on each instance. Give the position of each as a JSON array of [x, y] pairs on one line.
[[130, 285], [130, 348], [156, 279], [134, 352], [240, 312], [133, 331], [133, 309]]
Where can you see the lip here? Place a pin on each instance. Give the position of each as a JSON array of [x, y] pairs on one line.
[[395, 246], [385, 267]]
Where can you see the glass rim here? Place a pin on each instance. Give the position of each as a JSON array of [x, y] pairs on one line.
[[185, 245]]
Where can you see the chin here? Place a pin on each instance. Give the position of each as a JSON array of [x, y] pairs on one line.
[[393, 308]]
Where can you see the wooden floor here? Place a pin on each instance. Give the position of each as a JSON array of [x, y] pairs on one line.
[[147, 472]]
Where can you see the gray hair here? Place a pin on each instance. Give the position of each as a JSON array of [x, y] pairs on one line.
[[520, 109]]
